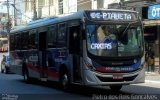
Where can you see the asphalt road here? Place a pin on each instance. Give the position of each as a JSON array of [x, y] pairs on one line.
[[13, 86]]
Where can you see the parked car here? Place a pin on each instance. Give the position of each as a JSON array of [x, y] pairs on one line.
[[5, 64]]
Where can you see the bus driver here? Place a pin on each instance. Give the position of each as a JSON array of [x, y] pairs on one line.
[[108, 34]]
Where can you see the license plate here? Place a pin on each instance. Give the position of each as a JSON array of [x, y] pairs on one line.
[[116, 77]]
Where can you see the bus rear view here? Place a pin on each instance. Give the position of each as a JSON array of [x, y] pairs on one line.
[[114, 53]]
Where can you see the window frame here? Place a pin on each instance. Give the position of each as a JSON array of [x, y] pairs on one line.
[[25, 40]]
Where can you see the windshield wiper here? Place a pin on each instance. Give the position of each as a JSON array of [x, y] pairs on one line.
[[127, 27]]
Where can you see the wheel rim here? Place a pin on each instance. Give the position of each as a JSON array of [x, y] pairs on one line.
[[65, 80]]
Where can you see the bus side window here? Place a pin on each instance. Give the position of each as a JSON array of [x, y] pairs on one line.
[[42, 40], [32, 40], [51, 37], [24, 38], [61, 37], [17, 42]]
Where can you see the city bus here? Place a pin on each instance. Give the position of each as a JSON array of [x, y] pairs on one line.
[[75, 49], [3, 44]]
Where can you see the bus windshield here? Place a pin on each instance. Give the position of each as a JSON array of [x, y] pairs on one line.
[[120, 40]]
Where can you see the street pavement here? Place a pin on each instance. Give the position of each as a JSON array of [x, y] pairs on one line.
[[151, 85], [153, 76]]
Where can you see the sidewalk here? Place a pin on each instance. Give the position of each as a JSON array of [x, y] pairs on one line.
[[153, 76]]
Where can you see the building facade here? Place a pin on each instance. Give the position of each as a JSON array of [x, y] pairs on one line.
[[45, 8], [24, 11]]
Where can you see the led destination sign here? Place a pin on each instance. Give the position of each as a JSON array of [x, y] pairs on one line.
[[101, 46], [115, 15]]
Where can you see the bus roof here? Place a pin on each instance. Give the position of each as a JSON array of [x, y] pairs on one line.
[[59, 19]]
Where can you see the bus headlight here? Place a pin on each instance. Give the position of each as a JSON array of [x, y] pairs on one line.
[[135, 61], [88, 64]]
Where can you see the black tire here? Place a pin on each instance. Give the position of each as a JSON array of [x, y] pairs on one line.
[[2, 70], [26, 77], [116, 87], [5, 70]]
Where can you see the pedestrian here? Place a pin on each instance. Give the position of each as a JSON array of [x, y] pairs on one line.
[[151, 61], [146, 60]]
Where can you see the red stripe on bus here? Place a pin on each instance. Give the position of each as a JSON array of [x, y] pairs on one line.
[[38, 69], [53, 74], [105, 70], [50, 73], [34, 68]]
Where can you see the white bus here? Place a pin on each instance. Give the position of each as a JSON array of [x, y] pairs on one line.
[[91, 47]]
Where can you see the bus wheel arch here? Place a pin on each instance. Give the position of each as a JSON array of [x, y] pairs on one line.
[[64, 77]]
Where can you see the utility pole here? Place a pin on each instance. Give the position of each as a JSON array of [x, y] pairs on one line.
[[8, 23], [49, 7], [15, 21], [34, 10]]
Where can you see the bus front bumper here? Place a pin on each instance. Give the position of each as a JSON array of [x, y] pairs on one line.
[[100, 79]]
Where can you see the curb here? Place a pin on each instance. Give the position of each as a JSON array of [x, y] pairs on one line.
[[152, 81], [152, 74]]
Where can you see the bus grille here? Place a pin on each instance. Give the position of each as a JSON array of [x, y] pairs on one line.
[[110, 79]]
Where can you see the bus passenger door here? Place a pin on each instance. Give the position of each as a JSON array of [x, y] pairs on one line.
[[42, 55], [74, 49]]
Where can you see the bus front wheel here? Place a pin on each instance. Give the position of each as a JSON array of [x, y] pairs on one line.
[[116, 88]]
